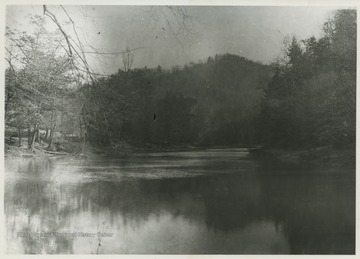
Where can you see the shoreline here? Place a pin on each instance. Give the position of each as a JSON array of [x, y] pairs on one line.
[[41, 150], [319, 157]]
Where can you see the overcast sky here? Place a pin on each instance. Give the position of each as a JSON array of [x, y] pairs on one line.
[[256, 33]]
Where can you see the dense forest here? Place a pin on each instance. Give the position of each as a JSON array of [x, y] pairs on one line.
[[307, 98], [214, 103]]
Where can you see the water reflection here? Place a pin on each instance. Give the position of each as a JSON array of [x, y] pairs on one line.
[[217, 202]]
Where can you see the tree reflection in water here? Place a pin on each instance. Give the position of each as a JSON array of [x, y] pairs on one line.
[[227, 206]]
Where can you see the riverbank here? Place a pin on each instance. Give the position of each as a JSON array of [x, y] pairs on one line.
[[64, 148], [82, 150], [319, 157], [126, 149]]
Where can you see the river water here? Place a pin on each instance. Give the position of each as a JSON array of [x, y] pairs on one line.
[[214, 201]]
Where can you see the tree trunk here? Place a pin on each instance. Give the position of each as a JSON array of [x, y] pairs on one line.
[[39, 136], [81, 132], [19, 130], [83, 147], [53, 124], [51, 137], [33, 139], [47, 133], [29, 136], [37, 139]]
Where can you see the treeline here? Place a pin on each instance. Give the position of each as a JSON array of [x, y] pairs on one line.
[[306, 99], [211, 103], [311, 99]]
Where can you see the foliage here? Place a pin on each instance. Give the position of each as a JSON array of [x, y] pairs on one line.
[[179, 106], [37, 78], [311, 99], [306, 99]]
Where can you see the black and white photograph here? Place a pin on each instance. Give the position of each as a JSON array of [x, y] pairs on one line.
[[186, 128]]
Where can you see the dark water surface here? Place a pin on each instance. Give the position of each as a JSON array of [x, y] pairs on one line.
[[218, 201]]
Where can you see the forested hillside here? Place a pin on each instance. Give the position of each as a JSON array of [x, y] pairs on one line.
[[212, 103]]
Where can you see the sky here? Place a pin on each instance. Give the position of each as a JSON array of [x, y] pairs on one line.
[[162, 36]]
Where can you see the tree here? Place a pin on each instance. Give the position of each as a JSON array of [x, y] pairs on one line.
[[39, 73], [128, 59], [311, 99]]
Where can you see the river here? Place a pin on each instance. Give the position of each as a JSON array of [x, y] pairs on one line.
[[213, 201]]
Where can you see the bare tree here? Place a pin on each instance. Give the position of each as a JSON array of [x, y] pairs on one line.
[[128, 59], [174, 20]]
